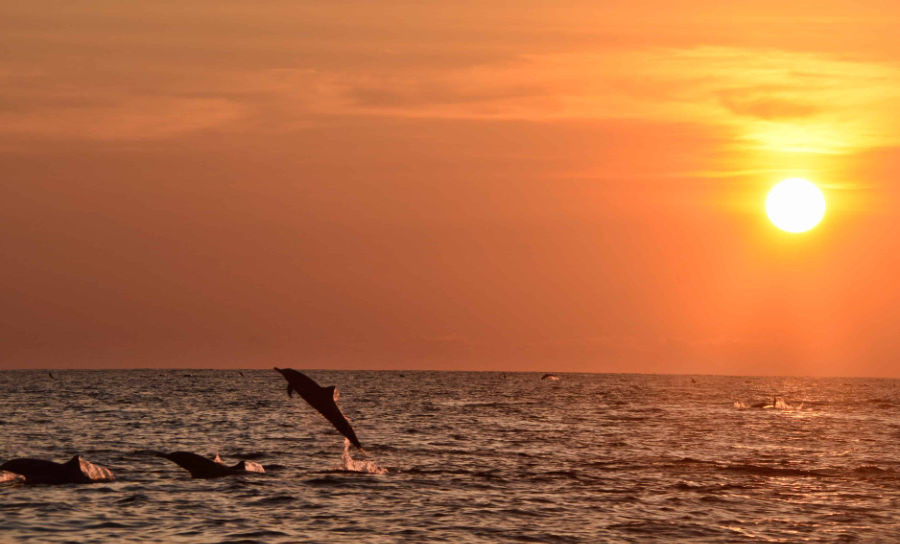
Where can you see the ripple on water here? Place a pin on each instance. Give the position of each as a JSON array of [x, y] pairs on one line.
[[473, 457]]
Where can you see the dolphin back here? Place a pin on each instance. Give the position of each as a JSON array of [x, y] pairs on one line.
[[38, 471], [201, 467], [197, 465], [75, 471]]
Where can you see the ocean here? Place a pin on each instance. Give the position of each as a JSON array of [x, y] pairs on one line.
[[457, 457]]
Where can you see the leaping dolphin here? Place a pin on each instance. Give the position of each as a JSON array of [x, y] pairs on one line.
[[201, 467], [75, 471], [321, 398]]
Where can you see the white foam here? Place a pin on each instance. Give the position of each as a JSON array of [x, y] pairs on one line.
[[781, 404], [350, 464], [10, 477], [95, 473], [251, 466]]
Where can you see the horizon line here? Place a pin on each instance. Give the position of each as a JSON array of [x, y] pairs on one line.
[[808, 376]]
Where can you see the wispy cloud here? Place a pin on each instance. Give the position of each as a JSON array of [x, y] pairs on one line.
[[144, 118], [775, 99]]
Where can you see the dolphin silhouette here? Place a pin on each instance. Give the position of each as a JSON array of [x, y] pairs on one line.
[[765, 404], [201, 467], [75, 471], [321, 398]]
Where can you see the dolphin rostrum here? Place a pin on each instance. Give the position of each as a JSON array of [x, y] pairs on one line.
[[201, 467], [75, 471], [321, 398]]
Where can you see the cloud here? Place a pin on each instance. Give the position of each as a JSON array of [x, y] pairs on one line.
[[764, 103], [161, 85], [776, 100], [145, 118]]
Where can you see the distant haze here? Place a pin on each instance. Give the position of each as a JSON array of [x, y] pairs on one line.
[[448, 186]]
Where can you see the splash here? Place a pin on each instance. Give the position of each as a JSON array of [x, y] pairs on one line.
[[781, 404], [94, 473], [10, 477], [350, 464], [775, 404]]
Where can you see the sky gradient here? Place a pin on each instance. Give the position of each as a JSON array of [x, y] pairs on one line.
[[574, 187]]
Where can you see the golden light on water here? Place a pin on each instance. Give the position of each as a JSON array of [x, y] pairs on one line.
[[795, 205]]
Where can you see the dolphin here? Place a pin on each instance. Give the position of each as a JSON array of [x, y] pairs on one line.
[[201, 467], [764, 403], [76, 471], [321, 398], [551, 377]]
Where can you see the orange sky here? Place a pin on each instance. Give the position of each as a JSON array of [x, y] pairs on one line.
[[457, 186]]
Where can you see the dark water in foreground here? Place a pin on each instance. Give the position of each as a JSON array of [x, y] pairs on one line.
[[471, 457]]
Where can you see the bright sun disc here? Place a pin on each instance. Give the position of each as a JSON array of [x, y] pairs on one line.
[[795, 205]]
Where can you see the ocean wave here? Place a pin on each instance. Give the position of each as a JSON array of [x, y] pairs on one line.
[[678, 466], [137, 498], [708, 488], [275, 500]]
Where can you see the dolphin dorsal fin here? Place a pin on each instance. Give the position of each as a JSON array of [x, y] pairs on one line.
[[333, 391]]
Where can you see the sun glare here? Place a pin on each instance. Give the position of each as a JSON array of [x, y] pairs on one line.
[[795, 205]]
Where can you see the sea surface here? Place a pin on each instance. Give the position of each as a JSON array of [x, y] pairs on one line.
[[458, 457]]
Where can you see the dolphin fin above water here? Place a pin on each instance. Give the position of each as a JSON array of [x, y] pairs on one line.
[[322, 399], [201, 467]]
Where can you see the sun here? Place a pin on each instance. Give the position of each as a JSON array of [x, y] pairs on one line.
[[795, 205]]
